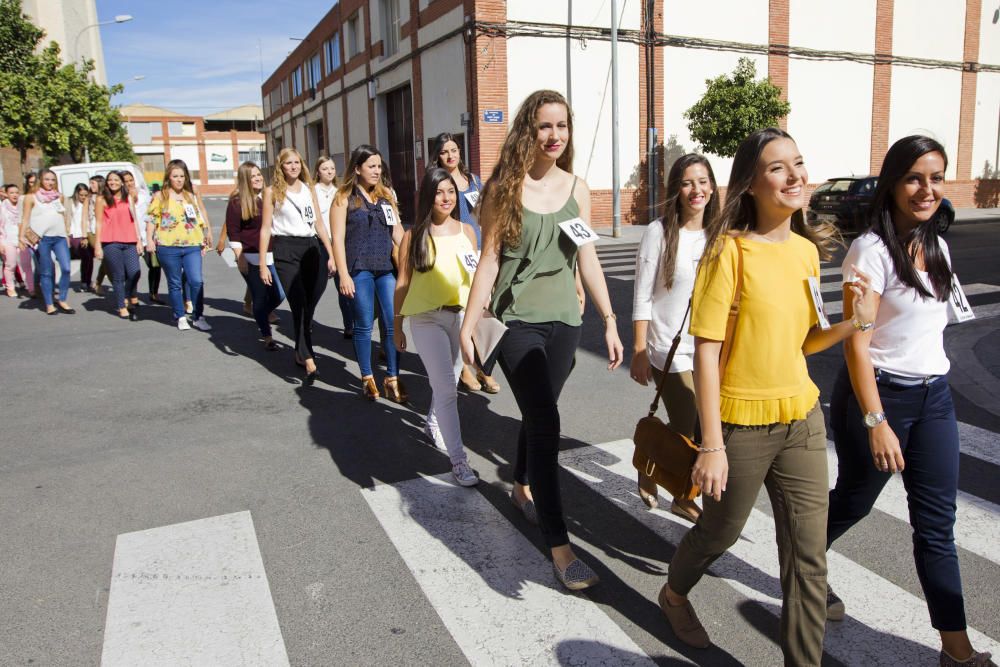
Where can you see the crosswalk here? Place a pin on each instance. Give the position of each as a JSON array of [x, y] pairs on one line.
[[618, 262]]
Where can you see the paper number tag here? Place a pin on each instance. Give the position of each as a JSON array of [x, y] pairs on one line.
[[190, 213], [578, 231], [469, 261], [959, 309], [390, 215], [309, 215], [817, 302], [472, 197]]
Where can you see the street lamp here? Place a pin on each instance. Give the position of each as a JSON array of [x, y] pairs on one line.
[[121, 18]]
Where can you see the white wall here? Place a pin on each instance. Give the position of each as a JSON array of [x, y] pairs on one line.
[[850, 28], [929, 29], [188, 153], [335, 126], [984, 142], [442, 70], [534, 63], [357, 117], [584, 12], [927, 101], [742, 21]]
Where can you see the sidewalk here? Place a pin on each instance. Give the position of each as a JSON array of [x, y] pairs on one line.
[[964, 216]]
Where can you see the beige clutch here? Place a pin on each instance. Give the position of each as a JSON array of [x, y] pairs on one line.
[[486, 336]]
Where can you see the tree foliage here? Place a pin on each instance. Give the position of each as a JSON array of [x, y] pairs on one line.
[[733, 106], [50, 105]]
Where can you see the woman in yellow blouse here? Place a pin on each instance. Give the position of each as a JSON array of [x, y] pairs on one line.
[[761, 422], [177, 230]]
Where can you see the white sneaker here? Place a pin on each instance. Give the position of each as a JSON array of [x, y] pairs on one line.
[[201, 324], [464, 474], [433, 434], [182, 324]]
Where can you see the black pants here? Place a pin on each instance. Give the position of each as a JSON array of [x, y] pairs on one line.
[[301, 266], [153, 274], [537, 359]]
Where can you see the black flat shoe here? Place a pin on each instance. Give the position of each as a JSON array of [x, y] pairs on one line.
[[65, 309], [271, 346], [133, 314], [310, 378]]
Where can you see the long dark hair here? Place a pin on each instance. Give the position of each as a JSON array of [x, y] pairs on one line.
[[672, 214], [422, 252], [740, 212], [896, 165], [439, 143], [349, 182], [109, 196]]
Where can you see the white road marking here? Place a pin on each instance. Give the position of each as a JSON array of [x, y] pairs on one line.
[[493, 590], [193, 593], [886, 625]]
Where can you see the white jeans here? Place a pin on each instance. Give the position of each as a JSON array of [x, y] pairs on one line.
[[435, 333]]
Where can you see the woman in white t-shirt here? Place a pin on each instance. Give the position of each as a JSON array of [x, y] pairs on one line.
[[664, 278], [326, 190], [891, 409]]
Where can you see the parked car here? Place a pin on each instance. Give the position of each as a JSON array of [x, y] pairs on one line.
[[71, 174], [846, 201]]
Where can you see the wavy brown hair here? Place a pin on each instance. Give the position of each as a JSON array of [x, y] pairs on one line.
[[740, 213], [187, 190], [672, 213], [516, 157], [280, 185], [243, 193], [348, 184]]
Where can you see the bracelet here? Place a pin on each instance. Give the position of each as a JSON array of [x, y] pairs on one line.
[[862, 326], [610, 316], [709, 450]]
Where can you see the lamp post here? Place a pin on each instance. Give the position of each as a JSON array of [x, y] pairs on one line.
[[121, 18]]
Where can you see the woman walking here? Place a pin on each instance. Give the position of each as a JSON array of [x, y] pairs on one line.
[[528, 265], [15, 257], [291, 227], [891, 409], [449, 157], [140, 201], [45, 214], [80, 233], [759, 411], [326, 191], [177, 230], [432, 289], [243, 222], [118, 243], [366, 233], [665, 269]]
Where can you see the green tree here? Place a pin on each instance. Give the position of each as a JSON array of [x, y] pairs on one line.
[[18, 38], [733, 106]]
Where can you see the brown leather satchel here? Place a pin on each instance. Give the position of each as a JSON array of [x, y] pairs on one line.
[[661, 453]]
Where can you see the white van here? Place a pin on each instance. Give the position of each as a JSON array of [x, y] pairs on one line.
[[71, 174]]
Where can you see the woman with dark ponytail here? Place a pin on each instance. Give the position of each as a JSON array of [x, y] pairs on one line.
[[891, 409]]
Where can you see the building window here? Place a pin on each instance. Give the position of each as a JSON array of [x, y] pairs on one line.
[[175, 129], [389, 11], [332, 53], [314, 72], [296, 82], [152, 163], [284, 92], [354, 36], [142, 133], [255, 155], [275, 96]]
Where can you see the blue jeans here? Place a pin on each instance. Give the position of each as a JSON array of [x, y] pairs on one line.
[[923, 418], [47, 270], [122, 262], [346, 307], [265, 298], [368, 285], [178, 262]]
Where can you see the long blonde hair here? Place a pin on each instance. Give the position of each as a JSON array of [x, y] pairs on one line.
[[516, 158], [382, 190], [243, 193], [280, 185], [319, 163]]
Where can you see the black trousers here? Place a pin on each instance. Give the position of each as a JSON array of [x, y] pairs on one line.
[[301, 266], [537, 359], [153, 274]]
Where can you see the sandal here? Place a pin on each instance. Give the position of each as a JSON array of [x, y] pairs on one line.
[[271, 346], [489, 385], [648, 491], [467, 380], [368, 388], [394, 390], [685, 509]]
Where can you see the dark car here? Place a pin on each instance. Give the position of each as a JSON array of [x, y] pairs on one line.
[[845, 202]]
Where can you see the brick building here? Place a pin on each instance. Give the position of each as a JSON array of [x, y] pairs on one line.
[[858, 74]]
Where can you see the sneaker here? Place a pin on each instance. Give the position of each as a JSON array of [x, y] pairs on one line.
[[835, 609], [975, 660], [464, 474], [684, 622], [576, 576], [434, 435], [201, 324], [182, 324]]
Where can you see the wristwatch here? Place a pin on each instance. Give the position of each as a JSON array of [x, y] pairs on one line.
[[862, 326], [873, 419]]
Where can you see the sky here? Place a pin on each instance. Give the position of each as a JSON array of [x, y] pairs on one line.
[[199, 57]]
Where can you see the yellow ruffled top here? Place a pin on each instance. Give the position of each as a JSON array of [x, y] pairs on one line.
[[766, 380]]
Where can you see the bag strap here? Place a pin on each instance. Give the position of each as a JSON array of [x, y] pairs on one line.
[[666, 365]]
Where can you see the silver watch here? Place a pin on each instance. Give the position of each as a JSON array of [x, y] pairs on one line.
[[873, 419]]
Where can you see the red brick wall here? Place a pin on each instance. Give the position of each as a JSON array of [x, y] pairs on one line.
[[777, 52], [882, 84], [967, 112], [489, 89], [639, 213], [601, 205]]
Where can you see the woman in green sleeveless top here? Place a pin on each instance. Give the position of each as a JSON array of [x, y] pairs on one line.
[[528, 265]]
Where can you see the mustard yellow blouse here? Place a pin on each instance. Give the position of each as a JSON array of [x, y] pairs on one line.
[[766, 380], [172, 224]]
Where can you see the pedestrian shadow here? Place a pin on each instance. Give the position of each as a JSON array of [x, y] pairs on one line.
[[576, 652]]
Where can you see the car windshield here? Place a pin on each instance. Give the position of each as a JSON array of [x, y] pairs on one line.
[[823, 188], [840, 186]]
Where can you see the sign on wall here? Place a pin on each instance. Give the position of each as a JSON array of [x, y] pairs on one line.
[[493, 116]]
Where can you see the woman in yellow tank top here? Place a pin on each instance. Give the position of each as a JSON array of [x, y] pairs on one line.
[[436, 262]]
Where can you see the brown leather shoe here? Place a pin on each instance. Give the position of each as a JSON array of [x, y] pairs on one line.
[[394, 390], [368, 388], [467, 380], [684, 622], [685, 509], [647, 491], [487, 382]]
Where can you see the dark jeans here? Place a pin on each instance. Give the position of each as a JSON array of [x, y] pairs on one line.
[[537, 359], [86, 257], [923, 418], [46, 273], [183, 264], [122, 261], [153, 273], [265, 298], [301, 266], [370, 287]]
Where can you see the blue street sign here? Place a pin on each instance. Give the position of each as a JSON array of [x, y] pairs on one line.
[[492, 116]]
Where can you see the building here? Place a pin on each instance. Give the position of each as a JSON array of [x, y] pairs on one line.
[[858, 74], [73, 24], [212, 146]]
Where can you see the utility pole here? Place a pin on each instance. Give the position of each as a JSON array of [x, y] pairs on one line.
[[616, 197]]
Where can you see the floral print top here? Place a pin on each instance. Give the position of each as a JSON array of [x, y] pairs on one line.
[[176, 224]]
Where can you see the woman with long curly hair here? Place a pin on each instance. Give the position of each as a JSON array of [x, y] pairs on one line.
[[665, 269], [759, 410], [527, 279]]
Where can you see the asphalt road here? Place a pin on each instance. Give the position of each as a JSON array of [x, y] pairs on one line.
[[110, 427]]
